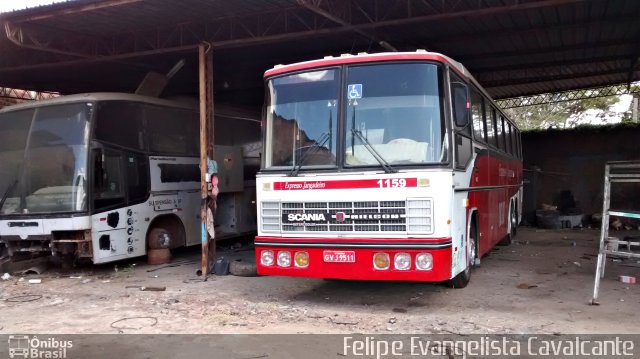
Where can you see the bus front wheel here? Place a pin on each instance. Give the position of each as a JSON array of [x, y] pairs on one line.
[[462, 279]]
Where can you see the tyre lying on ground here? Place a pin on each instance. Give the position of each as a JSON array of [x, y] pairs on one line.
[[243, 269]]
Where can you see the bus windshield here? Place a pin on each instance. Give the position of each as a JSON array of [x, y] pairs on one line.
[[43, 159], [392, 116], [302, 119], [396, 110]]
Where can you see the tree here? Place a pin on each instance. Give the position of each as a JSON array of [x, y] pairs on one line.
[[563, 114]]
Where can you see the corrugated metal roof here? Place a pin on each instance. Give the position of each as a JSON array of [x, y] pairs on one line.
[[513, 47], [14, 6]]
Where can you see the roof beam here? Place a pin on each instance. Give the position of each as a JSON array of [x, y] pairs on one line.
[[545, 79], [635, 60], [527, 30], [72, 8], [564, 96], [586, 46], [316, 9], [491, 10], [550, 64], [192, 34]]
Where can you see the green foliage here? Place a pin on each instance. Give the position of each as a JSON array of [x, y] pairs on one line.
[[565, 114], [587, 128]]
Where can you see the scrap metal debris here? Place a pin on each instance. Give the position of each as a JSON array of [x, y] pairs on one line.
[[37, 269], [24, 298], [152, 320], [526, 286], [147, 289], [173, 264]]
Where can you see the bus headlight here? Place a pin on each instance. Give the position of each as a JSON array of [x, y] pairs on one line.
[[284, 258], [402, 261], [424, 261], [301, 259], [266, 258], [381, 261]]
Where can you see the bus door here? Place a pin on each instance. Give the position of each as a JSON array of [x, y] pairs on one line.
[[109, 222], [463, 167]]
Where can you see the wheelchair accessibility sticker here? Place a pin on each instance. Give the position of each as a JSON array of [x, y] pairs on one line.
[[354, 91]]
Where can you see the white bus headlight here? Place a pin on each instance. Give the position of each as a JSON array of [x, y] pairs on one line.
[[402, 261], [266, 258], [424, 261], [284, 258]]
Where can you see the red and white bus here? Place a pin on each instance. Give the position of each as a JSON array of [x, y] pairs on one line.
[[389, 166]]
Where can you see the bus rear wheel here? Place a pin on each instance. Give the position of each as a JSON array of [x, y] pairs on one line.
[[463, 278], [158, 238], [513, 224], [514, 221]]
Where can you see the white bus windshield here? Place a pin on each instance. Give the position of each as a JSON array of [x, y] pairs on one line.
[[43, 159], [391, 111], [397, 109], [302, 119]]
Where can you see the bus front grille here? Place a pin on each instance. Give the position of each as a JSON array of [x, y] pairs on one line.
[[358, 217]]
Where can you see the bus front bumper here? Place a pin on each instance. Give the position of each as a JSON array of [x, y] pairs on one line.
[[355, 258]]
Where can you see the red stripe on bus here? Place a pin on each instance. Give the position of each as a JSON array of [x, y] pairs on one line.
[[367, 240], [345, 184]]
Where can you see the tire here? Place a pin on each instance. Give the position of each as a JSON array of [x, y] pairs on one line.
[[158, 238], [243, 269], [158, 256], [513, 224], [463, 278], [514, 221]]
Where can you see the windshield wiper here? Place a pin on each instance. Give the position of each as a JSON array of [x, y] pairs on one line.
[[6, 193], [312, 150], [385, 165]]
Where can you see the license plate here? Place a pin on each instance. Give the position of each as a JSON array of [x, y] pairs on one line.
[[339, 256]]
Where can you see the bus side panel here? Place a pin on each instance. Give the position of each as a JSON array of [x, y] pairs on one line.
[[480, 199], [109, 235], [460, 204]]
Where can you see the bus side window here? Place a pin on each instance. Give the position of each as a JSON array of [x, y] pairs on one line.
[[460, 105], [507, 136], [477, 113], [500, 133], [461, 111], [137, 178]]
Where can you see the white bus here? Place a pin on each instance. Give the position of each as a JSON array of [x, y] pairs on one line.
[[104, 176], [390, 166]]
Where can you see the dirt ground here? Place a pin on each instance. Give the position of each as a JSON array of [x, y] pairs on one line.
[[556, 268]]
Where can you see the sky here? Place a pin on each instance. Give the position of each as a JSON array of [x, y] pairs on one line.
[[10, 5]]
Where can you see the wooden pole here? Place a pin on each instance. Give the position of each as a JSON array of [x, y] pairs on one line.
[[213, 187], [205, 79]]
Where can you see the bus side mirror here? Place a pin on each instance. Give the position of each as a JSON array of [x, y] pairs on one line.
[[460, 105]]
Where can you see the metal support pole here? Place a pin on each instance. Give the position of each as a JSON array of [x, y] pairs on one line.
[[207, 205], [604, 235]]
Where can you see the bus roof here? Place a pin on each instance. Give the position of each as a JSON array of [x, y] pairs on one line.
[[365, 57], [382, 56], [95, 97]]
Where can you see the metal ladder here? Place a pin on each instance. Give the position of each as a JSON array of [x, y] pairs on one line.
[[615, 172]]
